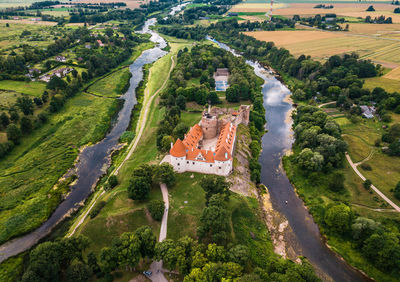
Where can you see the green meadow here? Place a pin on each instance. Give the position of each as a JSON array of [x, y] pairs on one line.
[[31, 88], [29, 173]]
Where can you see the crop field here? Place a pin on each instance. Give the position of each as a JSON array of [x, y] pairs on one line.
[[390, 85], [26, 199], [132, 4], [255, 7], [321, 45]]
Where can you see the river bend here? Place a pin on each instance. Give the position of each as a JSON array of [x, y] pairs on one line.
[[93, 160], [275, 143]]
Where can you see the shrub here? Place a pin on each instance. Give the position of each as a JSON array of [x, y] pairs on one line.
[[367, 184], [156, 209], [112, 181], [397, 191], [366, 166], [97, 208], [336, 182], [126, 137]]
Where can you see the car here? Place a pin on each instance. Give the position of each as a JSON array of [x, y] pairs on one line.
[[147, 273]]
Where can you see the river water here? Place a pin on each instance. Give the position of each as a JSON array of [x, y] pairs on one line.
[[275, 143], [93, 160]]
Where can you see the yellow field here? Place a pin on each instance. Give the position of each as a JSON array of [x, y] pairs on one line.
[[393, 74], [321, 45], [390, 85], [256, 7], [132, 4]]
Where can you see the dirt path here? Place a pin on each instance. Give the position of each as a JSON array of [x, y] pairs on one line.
[[156, 266], [354, 166], [131, 148], [142, 123], [329, 103]]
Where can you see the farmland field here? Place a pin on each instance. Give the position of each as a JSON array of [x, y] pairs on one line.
[[132, 4], [321, 45]]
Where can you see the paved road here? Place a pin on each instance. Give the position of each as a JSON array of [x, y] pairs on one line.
[[396, 207], [156, 266]]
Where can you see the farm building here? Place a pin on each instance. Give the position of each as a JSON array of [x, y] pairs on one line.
[[208, 147], [221, 77], [368, 111], [60, 59]]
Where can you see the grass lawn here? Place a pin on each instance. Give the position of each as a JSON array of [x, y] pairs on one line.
[[30, 171], [31, 88], [358, 148], [111, 85], [120, 215]]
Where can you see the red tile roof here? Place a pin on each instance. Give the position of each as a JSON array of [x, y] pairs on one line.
[[189, 146], [178, 150]]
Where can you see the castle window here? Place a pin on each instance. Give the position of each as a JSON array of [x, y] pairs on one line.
[[193, 162], [179, 164], [210, 165], [219, 167], [187, 162]]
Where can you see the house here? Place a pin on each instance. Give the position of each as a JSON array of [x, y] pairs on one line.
[[100, 43], [60, 59], [16, 18], [62, 72], [232, 14], [36, 19], [33, 70], [209, 146], [368, 111], [88, 46], [221, 77]]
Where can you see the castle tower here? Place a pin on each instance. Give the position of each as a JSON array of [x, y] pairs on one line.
[[209, 124]]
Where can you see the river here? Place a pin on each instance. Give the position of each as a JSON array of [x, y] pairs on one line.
[[93, 160], [275, 143]]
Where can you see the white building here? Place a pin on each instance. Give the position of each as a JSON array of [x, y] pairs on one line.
[[188, 155]]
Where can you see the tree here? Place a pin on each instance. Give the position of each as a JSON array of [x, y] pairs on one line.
[[181, 102], [156, 209], [397, 191], [232, 94], [127, 249], [14, 134], [25, 104], [26, 125], [92, 263], [370, 9], [338, 218], [56, 83], [309, 160], [180, 130], [166, 142], [363, 228], [367, 184], [214, 184], [78, 272], [147, 241], [108, 259], [213, 224], [139, 188], [164, 173], [45, 96], [239, 254], [113, 181], [44, 261], [14, 116], [4, 119]]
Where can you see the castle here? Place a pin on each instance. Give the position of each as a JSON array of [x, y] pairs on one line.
[[208, 147]]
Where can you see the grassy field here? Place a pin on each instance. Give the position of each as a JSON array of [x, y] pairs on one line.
[[390, 85], [26, 199], [112, 85], [385, 173], [31, 88]]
